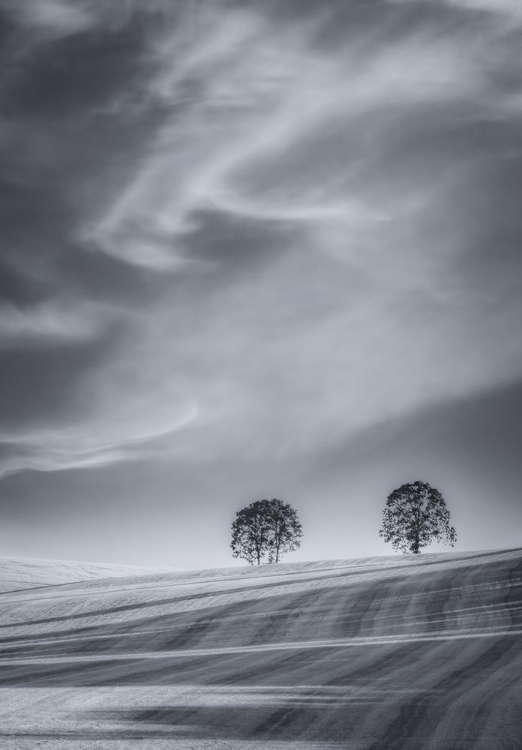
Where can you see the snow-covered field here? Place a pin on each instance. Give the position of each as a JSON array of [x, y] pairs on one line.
[[387, 653], [28, 573]]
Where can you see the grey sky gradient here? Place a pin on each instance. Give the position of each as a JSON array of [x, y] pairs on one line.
[[257, 249]]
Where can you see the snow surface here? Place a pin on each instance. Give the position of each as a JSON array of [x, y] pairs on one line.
[[27, 572], [398, 653]]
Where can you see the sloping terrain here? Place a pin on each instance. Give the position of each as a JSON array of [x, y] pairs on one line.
[[395, 653], [26, 573]]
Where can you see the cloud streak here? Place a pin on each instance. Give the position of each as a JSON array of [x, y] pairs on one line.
[[68, 449]]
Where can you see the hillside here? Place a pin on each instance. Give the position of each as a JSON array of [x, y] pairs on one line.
[[26, 573], [393, 653]]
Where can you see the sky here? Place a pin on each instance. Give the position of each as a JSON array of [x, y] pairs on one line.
[[257, 249]]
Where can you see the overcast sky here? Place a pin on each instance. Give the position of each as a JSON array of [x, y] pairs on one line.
[[257, 249]]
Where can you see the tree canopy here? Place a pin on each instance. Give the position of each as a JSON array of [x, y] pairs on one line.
[[265, 530], [415, 515]]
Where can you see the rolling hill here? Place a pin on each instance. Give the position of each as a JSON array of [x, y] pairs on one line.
[[26, 573], [391, 653]]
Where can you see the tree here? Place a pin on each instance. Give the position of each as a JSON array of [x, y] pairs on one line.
[[265, 530], [415, 514], [286, 530]]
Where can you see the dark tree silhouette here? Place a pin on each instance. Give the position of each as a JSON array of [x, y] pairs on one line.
[[415, 514], [265, 530], [286, 530]]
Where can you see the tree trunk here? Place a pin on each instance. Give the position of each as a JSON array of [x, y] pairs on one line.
[[277, 540], [415, 548]]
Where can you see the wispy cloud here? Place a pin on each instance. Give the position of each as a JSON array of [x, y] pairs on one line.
[[53, 321], [53, 18], [503, 9], [80, 447], [252, 111]]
